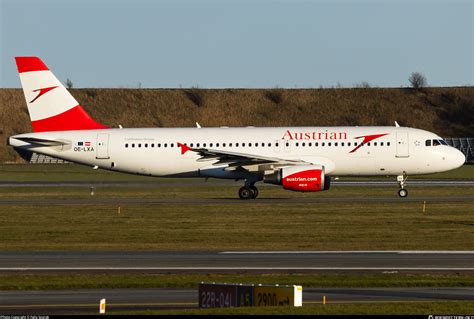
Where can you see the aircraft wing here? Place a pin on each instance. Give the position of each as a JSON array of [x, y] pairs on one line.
[[238, 160]]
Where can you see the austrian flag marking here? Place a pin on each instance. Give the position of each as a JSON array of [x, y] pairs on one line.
[[82, 146]]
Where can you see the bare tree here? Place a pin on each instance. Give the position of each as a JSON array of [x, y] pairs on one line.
[[417, 80], [69, 84], [363, 85]]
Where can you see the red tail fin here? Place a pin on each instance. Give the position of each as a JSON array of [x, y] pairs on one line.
[[51, 106]]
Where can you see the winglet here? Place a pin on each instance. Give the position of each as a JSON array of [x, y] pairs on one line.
[[396, 124], [184, 148], [197, 125]]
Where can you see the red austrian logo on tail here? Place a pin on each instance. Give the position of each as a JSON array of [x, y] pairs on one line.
[[42, 92], [367, 139]]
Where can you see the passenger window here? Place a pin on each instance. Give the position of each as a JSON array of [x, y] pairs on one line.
[[126, 145], [381, 143], [375, 143], [269, 144], [329, 144], [223, 144], [159, 144], [146, 145], [230, 144], [139, 145], [388, 143], [152, 145], [217, 144], [297, 144], [243, 144], [210, 145], [166, 145], [348, 143], [203, 144], [133, 145], [322, 144], [368, 144], [316, 144], [172, 145], [309, 144], [335, 144], [342, 143]]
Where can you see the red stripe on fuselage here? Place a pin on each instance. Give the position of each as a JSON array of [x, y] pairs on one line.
[[73, 119], [30, 63]]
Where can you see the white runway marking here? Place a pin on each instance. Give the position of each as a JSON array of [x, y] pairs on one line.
[[401, 252]]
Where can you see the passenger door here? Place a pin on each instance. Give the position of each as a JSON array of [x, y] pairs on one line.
[[102, 151], [402, 145]]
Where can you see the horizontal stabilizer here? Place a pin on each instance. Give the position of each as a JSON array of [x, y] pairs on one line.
[[42, 141]]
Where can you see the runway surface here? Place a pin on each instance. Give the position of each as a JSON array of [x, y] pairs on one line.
[[87, 300], [232, 201], [231, 262], [216, 182]]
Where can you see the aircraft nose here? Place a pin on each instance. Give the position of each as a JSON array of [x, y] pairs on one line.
[[457, 158]]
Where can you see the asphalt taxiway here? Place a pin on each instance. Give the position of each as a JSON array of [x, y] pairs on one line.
[[252, 261], [217, 182], [87, 300]]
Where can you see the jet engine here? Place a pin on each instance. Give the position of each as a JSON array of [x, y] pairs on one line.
[[307, 178]]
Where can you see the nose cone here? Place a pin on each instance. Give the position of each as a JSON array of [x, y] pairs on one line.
[[456, 158]]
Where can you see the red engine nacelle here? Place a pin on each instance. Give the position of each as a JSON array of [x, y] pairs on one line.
[[308, 178]]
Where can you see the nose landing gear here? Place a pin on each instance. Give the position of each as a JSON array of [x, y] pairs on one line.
[[401, 179]]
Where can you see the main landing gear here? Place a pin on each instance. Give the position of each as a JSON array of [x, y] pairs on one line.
[[401, 179], [248, 192]]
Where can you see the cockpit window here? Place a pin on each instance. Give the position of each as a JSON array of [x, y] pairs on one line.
[[428, 143], [439, 142]]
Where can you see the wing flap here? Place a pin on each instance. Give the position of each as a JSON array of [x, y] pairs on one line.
[[236, 160]]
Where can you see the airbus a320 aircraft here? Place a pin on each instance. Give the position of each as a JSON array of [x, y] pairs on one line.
[[298, 158]]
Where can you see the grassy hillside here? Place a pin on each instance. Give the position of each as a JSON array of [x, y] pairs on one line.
[[446, 111]]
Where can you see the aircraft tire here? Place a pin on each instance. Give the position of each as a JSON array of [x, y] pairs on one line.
[[245, 193], [254, 192], [402, 193]]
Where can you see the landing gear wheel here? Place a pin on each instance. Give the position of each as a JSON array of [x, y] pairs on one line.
[[246, 193], [254, 191], [402, 192]]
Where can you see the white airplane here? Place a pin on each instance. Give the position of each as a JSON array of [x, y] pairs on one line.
[[298, 158]]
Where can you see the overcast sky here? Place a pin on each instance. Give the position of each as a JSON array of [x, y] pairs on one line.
[[243, 44]]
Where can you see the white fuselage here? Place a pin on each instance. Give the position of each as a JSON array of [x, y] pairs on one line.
[[155, 151]]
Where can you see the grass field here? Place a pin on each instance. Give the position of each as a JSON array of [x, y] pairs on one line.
[[320, 280], [223, 226], [254, 226]]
